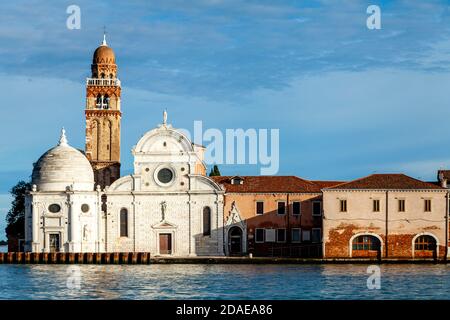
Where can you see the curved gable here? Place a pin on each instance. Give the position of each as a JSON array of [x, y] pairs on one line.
[[200, 182], [123, 184], [164, 140]]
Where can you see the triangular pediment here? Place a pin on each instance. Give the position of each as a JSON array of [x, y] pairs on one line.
[[235, 217], [164, 225]]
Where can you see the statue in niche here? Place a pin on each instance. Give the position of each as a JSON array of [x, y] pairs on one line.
[[163, 210], [86, 232]]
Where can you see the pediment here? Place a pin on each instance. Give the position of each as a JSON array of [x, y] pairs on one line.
[[164, 225], [234, 217]]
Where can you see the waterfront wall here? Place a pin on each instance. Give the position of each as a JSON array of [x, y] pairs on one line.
[[75, 258], [145, 258]]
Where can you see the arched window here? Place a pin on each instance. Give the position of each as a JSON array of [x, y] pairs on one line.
[[425, 243], [105, 104], [99, 101], [111, 75], [366, 242], [102, 76], [206, 221], [124, 223], [104, 205]]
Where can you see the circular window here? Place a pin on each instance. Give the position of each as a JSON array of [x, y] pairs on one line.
[[54, 208], [165, 175], [85, 208], [147, 169]]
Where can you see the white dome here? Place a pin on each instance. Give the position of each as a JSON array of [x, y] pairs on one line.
[[61, 167]]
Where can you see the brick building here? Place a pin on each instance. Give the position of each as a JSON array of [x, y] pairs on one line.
[[385, 216], [273, 215]]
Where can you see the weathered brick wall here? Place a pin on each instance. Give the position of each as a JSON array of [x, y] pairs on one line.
[[403, 227]]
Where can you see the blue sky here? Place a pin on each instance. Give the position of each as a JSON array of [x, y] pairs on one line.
[[348, 101]]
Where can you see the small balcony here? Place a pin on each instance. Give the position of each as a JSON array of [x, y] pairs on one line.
[[103, 82]]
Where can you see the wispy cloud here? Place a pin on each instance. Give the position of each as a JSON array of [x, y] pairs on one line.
[[221, 49], [347, 100]]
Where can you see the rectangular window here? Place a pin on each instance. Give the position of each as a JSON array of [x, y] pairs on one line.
[[259, 207], [343, 205], [281, 207], [296, 233], [427, 205], [281, 235], [124, 223], [316, 235], [401, 205], [259, 235], [296, 208], [306, 235], [206, 221], [317, 208], [376, 205], [270, 235]]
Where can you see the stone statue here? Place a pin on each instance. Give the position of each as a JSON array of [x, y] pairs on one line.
[[86, 232], [163, 210], [165, 117]]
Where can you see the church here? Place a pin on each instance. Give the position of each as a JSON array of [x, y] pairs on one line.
[[80, 203]]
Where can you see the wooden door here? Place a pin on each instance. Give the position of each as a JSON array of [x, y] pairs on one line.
[[54, 242], [165, 243]]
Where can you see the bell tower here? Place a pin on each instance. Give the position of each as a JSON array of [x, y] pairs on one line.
[[103, 116]]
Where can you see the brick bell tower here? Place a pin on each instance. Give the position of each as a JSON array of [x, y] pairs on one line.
[[103, 116]]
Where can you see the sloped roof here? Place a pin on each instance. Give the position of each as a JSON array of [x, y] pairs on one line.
[[327, 184], [387, 181], [267, 184]]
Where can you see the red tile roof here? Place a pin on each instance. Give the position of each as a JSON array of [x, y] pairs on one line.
[[268, 184], [327, 184], [387, 181]]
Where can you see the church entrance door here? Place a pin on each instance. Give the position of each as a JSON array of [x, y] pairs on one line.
[[54, 242], [165, 243], [235, 240]]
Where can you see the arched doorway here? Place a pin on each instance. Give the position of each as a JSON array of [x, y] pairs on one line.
[[366, 246], [425, 246], [235, 241]]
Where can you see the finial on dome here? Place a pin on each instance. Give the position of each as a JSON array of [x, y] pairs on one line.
[[165, 117], [104, 40], [104, 37], [63, 138]]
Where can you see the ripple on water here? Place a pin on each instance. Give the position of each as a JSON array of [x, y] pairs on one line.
[[224, 282]]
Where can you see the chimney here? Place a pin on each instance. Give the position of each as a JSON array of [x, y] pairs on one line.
[[442, 179]]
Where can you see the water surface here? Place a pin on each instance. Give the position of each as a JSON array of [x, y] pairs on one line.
[[222, 282]]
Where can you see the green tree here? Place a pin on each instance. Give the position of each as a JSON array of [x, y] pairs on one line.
[[15, 218], [214, 171]]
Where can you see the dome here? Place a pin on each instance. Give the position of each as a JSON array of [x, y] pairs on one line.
[[104, 54], [61, 167]]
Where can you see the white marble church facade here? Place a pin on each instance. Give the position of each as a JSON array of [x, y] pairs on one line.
[[168, 206]]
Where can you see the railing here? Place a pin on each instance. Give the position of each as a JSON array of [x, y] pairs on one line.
[[102, 82]]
